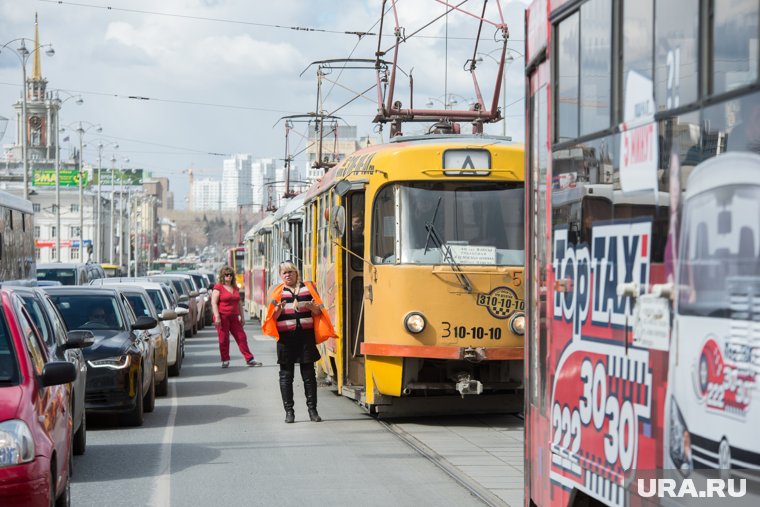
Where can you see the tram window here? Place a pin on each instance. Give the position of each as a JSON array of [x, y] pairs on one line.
[[384, 226], [638, 26], [567, 70], [357, 230], [595, 65], [735, 44], [676, 36]]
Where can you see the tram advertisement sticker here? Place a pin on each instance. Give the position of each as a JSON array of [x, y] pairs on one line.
[[501, 302]]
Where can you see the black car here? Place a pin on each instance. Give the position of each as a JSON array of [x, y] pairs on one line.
[[120, 376], [62, 346]]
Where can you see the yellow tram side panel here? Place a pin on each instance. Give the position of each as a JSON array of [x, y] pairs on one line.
[[397, 289]]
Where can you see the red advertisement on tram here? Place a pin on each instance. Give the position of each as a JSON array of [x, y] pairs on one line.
[[643, 244]]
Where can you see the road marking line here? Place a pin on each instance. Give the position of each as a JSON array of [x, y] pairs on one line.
[[162, 492]]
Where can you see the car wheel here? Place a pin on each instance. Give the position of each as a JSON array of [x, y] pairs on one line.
[[149, 401], [177, 366], [188, 332], [135, 417], [64, 499], [162, 389], [80, 437], [195, 329]]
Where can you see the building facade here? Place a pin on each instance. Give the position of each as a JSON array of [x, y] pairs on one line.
[[236, 182], [207, 195]]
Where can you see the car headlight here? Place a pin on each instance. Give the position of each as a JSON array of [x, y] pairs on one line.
[[16, 443], [414, 322], [680, 440], [115, 363], [517, 324]]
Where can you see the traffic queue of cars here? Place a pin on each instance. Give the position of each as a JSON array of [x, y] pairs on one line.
[[67, 351]]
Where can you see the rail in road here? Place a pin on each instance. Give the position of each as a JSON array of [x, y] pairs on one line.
[[219, 436]]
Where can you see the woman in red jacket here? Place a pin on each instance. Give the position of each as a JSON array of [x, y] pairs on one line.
[[228, 317]]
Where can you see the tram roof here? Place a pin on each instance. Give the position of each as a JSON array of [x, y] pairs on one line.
[[264, 223], [8, 200], [399, 146]]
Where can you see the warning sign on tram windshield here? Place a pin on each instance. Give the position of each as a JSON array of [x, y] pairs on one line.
[[467, 162]]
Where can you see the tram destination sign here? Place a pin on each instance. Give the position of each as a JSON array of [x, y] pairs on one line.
[[68, 178], [466, 162]]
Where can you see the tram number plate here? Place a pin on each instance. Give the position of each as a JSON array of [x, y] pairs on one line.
[[476, 332]]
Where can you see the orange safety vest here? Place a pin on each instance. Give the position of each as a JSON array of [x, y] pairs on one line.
[[323, 328]]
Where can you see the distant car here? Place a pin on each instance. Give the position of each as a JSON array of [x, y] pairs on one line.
[[48, 283], [69, 273], [120, 376], [202, 299], [187, 297], [62, 346], [202, 280], [111, 270], [35, 420]]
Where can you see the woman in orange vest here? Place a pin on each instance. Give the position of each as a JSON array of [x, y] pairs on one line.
[[297, 319]]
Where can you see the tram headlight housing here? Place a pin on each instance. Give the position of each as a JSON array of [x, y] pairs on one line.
[[517, 324], [415, 322]]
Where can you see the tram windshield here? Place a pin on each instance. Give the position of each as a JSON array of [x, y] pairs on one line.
[[481, 223], [719, 251]]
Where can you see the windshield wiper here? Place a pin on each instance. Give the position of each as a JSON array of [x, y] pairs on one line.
[[432, 234]]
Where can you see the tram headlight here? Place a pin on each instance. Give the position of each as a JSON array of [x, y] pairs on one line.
[[517, 324], [414, 322]]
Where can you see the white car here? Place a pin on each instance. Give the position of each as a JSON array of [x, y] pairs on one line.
[[161, 297]]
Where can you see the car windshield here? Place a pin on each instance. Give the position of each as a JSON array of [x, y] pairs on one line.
[[9, 371], [155, 296], [480, 223], [720, 257], [65, 276], [91, 312]]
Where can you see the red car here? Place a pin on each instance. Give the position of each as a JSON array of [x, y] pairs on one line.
[[35, 415]]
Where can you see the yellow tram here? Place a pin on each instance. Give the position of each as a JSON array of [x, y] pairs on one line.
[[417, 248]]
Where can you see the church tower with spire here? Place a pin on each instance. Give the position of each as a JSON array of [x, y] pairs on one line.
[[41, 114]]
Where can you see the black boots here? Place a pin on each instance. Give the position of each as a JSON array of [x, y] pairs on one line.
[[286, 391], [310, 390]]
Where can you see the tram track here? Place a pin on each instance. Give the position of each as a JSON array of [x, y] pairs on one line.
[[470, 484]]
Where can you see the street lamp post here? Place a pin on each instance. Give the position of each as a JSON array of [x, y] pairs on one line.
[[23, 54], [113, 198], [79, 101], [98, 214], [82, 131]]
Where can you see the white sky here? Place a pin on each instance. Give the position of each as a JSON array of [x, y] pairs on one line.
[[247, 75]]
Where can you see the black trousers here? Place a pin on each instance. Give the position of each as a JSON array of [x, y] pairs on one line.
[[309, 376]]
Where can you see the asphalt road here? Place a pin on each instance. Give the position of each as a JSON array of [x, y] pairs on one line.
[[219, 438]]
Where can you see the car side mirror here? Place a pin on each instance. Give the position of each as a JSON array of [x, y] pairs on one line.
[[184, 298], [203, 290], [58, 372], [167, 315], [181, 311], [79, 339], [144, 322], [194, 293]]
